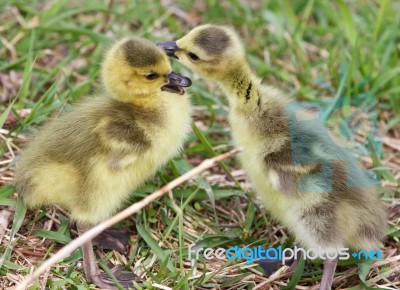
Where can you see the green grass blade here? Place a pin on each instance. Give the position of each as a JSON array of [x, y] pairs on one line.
[[339, 93], [363, 269], [7, 202], [383, 9], [26, 81], [347, 22], [154, 246], [20, 212], [296, 275], [97, 37], [56, 236], [250, 215], [3, 116], [209, 148], [183, 166], [385, 78], [7, 190]]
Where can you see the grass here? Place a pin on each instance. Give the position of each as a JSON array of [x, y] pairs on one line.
[[342, 56]]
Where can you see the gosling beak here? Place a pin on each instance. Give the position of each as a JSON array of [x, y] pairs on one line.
[[176, 82], [169, 47], [179, 80]]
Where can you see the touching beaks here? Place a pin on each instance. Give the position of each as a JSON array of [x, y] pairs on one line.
[[170, 47]]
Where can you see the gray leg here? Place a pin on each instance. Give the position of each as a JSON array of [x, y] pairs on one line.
[[89, 261], [93, 274], [327, 276]]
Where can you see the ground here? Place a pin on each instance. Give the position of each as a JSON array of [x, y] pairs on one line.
[[340, 55]]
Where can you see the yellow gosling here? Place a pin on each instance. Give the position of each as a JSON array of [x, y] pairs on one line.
[[90, 159], [307, 182]]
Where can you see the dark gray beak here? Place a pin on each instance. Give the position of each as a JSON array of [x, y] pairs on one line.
[[178, 80], [169, 47], [176, 83]]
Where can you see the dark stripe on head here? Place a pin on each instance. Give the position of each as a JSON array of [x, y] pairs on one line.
[[213, 40], [141, 52]]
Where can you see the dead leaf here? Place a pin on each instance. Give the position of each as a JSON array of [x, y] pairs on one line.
[[5, 215], [9, 85], [12, 120]]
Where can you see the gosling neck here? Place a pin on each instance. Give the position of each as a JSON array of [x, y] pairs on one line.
[[145, 101], [241, 87]]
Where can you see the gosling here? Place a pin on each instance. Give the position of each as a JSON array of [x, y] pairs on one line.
[[308, 183], [90, 159]]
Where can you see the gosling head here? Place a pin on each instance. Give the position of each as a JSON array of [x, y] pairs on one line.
[[136, 68], [209, 50]]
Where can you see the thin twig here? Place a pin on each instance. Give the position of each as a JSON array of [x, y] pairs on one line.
[[96, 230]]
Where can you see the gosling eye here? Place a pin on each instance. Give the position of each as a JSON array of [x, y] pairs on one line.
[[193, 56], [152, 76]]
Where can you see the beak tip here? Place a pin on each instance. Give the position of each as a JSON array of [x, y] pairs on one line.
[[170, 47], [179, 80]]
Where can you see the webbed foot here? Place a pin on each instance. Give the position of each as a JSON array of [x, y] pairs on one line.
[[113, 239], [271, 266], [124, 278]]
